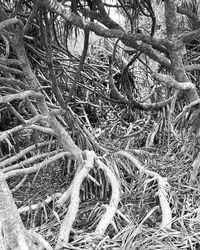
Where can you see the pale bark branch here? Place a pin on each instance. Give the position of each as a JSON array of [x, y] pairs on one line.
[[68, 221], [163, 188], [22, 95], [11, 224], [64, 138], [36, 167], [20, 183], [171, 82], [114, 201], [31, 160], [22, 153]]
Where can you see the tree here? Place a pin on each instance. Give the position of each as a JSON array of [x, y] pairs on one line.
[[52, 96]]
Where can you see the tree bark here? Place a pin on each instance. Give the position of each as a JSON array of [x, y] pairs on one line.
[[13, 234]]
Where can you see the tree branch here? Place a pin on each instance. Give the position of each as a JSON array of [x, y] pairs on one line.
[[170, 82]]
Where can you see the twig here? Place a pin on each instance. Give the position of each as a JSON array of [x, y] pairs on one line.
[[36, 206], [20, 183]]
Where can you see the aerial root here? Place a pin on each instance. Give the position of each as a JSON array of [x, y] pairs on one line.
[[112, 207], [74, 192], [163, 188]]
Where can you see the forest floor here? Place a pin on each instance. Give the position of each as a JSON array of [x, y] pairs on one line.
[[137, 222]]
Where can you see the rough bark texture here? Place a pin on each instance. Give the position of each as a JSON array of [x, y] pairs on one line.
[[14, 233], [176, 49]]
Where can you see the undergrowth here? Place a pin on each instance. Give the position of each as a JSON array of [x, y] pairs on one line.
[[136, 224]]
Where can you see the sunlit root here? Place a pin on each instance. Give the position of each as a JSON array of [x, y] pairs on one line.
[[74, 190], [21, 154], [68, 221], [112, 207], [29, 161], [64, 197], [35, 167], [171, 82], [163, 188]]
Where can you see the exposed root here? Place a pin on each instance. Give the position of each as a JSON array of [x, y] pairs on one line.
[[68, 221], [112, 208], [163, 188]]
